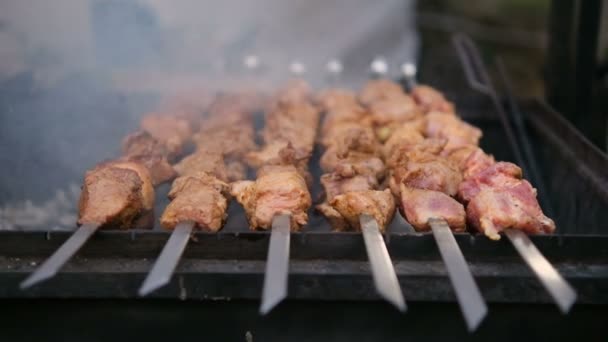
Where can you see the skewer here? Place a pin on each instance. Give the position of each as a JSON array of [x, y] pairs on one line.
[[277, 264], [165, 265], [562, 293], [61, 256], [383, 272], [472, 304]]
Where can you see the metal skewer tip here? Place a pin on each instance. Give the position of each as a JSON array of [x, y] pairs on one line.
[[334, 67], [277, 264], [472, 304], [383, 272], [61, 256], [379, 66], [165, 265], [297, 68], [251, 62], [409, 70], [562, 293]]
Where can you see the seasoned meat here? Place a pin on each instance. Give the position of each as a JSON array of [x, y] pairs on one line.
[[498, 175], [141, 147], [206, 161], [232, 141], [350, 135], [295, 91], [394, 110], [448, 126], [476, 162], [350, 205], [492, 210], [352, 163], [378, 90], [420, 205], [278, 189], [199, 197], [334, 99], [235, 170], [116, 195], [424, 170], [334, 184], [403, 137], [171, 131], [429, 99], [189, 105], [293, 122]]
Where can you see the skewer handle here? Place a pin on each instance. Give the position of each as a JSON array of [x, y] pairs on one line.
[[165, 265], [61, 256], [277, 264], [469, 297], [562, 293], [383, 272]]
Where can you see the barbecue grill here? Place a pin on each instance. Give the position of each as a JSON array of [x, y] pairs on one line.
[[221, 273]]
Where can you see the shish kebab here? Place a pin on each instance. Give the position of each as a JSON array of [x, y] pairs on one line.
[[200, 195], [120, 193], [279, 198], [422, 181], [353, 172], [495, 195]]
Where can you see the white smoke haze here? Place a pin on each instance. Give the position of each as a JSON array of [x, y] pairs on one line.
[[76, 75]]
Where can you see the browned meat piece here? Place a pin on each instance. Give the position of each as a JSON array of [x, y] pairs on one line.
[[378, 90], [171, 131], [244, 102], [448, 126], [429, 99], [281, 153], [498, 175], [403, 137], [394, 110], [234, 141], [352, 163], [335, 219], [278, 189], [423, 170], [350, 205], [295, 91], [495, 209], [203, 161], [476, 162], [334, 184], [460, 155], [294, 122], [201, 198], [355, 134], [141, 147], [419, 205], [334, 99], [118, 195]]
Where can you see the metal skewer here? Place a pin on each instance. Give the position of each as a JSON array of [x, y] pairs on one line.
[[477, 76], [61, 256], [277, 264], [165, 265], [472, 304], [383, 272], [562, 293]]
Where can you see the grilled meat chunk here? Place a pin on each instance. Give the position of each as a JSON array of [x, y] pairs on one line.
[[451, 128], [117, 194], [378, 90], [292, 122], [278, 189], [352, 163], [498, 175], [429, 99], [141, 147], [199, 197], [492, 210], [335, 184], [350, 205], [171, 131], [420, 205], [205, 161]]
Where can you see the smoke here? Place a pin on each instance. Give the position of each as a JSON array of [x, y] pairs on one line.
[[76, 75]]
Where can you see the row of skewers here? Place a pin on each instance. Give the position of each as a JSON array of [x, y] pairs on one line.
[[384, 149]]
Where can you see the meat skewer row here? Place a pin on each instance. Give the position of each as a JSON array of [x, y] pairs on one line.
[[279, 198], [120, 193], [353, 173], [201, 194], [424, 183]]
